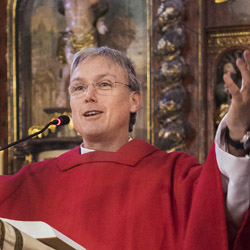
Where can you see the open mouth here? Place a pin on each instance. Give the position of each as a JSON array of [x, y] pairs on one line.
[[92, 113]]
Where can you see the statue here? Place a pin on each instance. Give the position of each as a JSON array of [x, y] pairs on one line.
[[84, 18], [222, 95]]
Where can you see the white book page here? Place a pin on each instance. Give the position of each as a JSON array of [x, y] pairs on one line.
[[45, 233]]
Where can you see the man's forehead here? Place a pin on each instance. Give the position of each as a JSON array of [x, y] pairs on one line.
[[108, 68], [102, 59]]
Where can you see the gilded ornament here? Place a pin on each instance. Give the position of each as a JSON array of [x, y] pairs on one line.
[[169, 12], [172, 40], [218, 41], [75, 43], [28, 159], [171, 136], [221, 1], [173, 70], [221, 112], [51, 129], [35, 129], [171, 103]]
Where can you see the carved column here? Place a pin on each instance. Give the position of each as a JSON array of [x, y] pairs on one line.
[[168, 78]]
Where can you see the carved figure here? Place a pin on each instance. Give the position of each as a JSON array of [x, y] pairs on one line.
[[222, 95], [84, 18]]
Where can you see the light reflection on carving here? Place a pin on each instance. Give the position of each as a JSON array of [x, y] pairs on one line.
[[168, 79]]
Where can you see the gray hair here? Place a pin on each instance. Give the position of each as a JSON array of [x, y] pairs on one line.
[[116, 57]]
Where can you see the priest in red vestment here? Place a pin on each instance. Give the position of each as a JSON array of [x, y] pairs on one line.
[[114, 193]]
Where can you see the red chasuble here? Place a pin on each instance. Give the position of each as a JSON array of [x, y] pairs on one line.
[[139, 198]]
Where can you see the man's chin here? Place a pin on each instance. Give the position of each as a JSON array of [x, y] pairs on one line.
[[93, 135]]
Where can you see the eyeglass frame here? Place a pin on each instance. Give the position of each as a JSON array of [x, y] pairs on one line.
[[95, 84]]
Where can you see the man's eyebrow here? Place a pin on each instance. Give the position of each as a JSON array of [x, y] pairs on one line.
[[101, 76], [78, 79], [106, 74]]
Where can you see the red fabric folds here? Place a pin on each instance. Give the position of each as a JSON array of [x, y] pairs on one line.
[[136, 198]]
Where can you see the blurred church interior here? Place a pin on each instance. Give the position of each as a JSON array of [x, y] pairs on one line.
[[180, 49]]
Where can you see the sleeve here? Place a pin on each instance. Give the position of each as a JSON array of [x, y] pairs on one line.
[[235, 174]]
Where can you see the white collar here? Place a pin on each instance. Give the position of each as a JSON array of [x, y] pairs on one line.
[[87, 150]]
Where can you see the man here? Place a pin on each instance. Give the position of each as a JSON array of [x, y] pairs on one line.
[[116, 193]]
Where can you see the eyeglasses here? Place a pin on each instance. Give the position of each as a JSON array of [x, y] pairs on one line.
[[104, 87]]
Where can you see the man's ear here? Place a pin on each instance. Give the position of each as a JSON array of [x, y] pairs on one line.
[[135, 101]]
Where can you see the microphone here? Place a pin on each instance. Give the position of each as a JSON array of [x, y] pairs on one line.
[[61, 120]]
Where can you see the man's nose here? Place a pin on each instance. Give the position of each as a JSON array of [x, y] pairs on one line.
[[90, 94]]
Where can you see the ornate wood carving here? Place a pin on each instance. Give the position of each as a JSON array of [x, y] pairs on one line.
[[168, 79], [219, 41]]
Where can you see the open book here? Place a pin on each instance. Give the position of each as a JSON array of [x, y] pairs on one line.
[[31, 230]]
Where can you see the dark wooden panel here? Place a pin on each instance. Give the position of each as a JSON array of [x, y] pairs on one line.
[[221, 15]]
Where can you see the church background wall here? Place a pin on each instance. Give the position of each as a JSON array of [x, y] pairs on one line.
[[201, 20]]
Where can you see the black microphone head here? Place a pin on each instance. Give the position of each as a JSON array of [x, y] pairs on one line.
[[61, 120]]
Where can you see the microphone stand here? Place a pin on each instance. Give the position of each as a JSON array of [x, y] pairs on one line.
[[62, 120], [27, 137]]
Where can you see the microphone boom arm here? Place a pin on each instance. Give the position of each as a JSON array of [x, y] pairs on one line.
[[27, 137], [61, 120]]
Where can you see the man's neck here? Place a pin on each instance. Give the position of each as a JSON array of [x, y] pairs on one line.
[[109, 145]]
